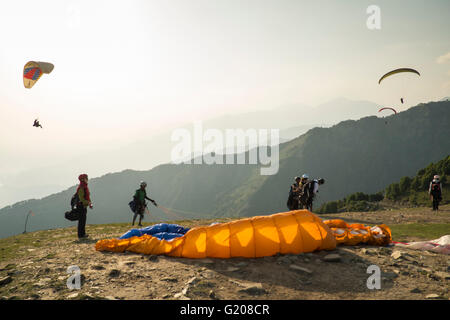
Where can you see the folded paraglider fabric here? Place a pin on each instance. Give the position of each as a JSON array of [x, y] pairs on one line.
[[161, 231], [353, 234], [289, 232], [441, 245]]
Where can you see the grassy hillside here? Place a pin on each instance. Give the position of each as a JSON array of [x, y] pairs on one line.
[[353, 156], [412, 191]]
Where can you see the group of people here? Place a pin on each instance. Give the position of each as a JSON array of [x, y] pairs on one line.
[[83, 202], [303, 192]]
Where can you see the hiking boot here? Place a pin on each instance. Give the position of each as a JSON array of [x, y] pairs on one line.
[[84, 237]]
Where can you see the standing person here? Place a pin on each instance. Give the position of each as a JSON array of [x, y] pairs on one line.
[[294, 193], [301, 197], [84, 201], [139, 198], [304, 180], [309, 191], [435, 192]]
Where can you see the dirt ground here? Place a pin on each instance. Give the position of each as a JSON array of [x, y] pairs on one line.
[[40, 270]]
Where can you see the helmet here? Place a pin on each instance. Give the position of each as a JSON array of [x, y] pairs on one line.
[[305, 176], [143, 184], [296, 178], [321, 181], [436, 177]]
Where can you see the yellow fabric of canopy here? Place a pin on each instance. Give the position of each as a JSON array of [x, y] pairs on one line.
[[287, 232], [291, 232]]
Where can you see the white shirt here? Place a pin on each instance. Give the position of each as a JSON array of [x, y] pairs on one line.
[[316, 186]]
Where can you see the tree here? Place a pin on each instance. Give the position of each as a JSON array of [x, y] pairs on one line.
[[404, 184]]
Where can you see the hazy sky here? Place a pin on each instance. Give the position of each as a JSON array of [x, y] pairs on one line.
[[124, 69]]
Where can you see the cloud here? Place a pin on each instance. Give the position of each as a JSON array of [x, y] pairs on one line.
[[444, 58]]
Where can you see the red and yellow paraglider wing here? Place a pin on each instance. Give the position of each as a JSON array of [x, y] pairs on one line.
[[31, 74], [33, 70]]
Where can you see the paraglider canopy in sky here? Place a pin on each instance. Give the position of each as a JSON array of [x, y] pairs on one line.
[[390, 73], [33, 70], [388, 108]]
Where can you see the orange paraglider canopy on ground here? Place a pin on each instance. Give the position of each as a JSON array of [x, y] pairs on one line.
[[289, 232]]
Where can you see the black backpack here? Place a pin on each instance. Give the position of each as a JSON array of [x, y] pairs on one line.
[[74, 214], [132, 205], [75, 201]]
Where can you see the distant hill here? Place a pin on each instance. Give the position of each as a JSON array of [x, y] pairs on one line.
[[362, 155]]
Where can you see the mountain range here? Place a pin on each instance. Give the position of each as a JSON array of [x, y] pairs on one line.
[[292, 120], [362, 155]]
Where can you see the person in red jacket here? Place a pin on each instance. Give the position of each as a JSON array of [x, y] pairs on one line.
[[84, 198]]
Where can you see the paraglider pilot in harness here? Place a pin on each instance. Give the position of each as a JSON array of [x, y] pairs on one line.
[[295, 191], [292, 202], [308, 193], [36, 123], [139, 199]]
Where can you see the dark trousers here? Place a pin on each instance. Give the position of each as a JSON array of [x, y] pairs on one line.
[[436, 203], [82, 222], [294, 204], [140, 208]]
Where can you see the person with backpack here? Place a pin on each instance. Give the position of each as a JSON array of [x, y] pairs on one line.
[[294, 193], [140, 205], [435, 192], [309, 191], [83, 202]]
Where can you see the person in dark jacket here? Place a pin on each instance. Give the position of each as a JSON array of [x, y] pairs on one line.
[[84, 201], [294, 192], [309, 191], [435, 192], [139, 198]]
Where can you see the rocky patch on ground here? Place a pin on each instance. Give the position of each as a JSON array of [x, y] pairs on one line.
[[340, 274]]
